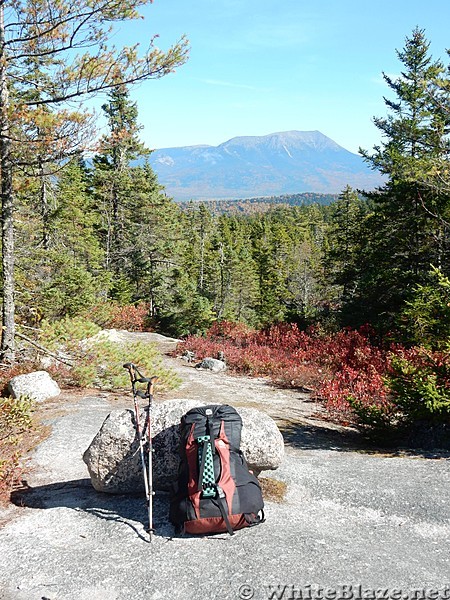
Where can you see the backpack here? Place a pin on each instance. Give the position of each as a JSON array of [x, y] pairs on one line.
[[215, 491]]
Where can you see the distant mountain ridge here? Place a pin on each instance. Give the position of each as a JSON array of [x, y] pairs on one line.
[[287, 162]]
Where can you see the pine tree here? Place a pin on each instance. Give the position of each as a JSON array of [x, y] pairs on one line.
[[70, 43]]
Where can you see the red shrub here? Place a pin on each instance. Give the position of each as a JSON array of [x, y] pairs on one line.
[[110, 315], [229, 330], [350, 387], [356, 380], [345, 369]]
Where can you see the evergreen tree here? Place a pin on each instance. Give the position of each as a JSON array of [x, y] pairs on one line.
[[270, 268], [314, 299], [244, 284], [113, 175], [63, 275], [287, 244], [70, 43], [405, 236], [189, 309], [74, 221], [345, 252], [231, 277], [199, 226], [152, 242], [140, 224]]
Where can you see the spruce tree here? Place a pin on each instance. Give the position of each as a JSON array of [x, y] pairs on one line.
[[153, 243], [113, 179], [231, 277], [404, 235], [139, 223], [345, 251]]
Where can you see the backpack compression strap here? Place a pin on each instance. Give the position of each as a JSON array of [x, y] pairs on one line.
[[206, 476], [206, 450], [221, 503]]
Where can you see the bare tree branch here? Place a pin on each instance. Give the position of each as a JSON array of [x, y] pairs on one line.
[[42, 349]]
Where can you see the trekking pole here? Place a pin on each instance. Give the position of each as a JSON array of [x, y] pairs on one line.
[[137, 377], [150, 386]]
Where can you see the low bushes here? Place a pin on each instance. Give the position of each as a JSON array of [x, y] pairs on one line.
[[358, 381], [419, 381], [256, 353], [112, 315]]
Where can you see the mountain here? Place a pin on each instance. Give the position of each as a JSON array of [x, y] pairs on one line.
[[244, 167]]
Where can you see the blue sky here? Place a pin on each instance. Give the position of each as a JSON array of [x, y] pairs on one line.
[[259, 66]]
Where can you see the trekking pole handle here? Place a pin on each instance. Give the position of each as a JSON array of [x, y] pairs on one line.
[[137, 377], [131, 368], [151, 385]]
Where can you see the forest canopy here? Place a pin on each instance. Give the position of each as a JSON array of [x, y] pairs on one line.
[[105, 231], [100, 239]]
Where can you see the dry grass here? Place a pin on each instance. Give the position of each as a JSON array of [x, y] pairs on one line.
[[273, 490]]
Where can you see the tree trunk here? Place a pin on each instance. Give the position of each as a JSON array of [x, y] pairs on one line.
[[8, 309], [45, 209], [7, 351]]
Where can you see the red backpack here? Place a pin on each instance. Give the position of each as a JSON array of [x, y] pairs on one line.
[[215, 491]]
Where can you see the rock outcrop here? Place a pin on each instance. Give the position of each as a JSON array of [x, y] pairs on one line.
[[113, 457]]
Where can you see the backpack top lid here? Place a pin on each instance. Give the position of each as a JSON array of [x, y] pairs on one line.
[[215, 414]]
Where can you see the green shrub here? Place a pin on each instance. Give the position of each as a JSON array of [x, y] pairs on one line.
[[67, 332], [99, 362], [376, 419], [419, 383], [427, 316]]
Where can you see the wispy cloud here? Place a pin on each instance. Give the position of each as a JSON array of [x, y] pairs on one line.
[[279, 35], [231, 84]]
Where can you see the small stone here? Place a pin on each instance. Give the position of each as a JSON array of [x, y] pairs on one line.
[[212, 364]]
